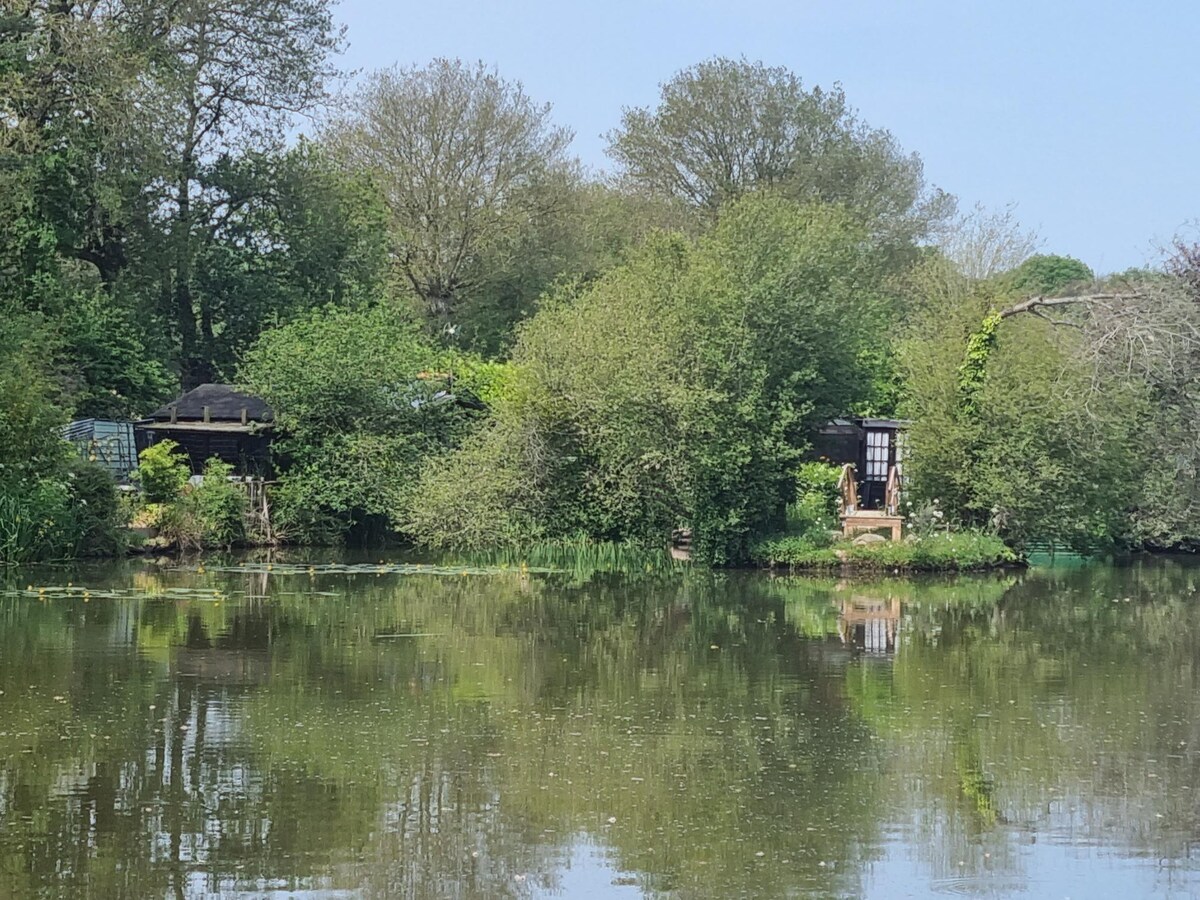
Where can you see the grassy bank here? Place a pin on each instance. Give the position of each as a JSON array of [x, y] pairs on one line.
[[962, 552]]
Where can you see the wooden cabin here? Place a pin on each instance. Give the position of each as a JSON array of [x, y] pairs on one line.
[[872, 446], [214, 420]]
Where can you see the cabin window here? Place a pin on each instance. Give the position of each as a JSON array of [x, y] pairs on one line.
[[877, 455]]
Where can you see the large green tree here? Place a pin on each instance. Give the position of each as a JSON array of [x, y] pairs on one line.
[[474, 173], [725, 127], [677, 390], [1016, 425], [362, 398], [227, 78]]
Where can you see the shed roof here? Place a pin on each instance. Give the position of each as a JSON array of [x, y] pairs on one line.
[[224, 402]]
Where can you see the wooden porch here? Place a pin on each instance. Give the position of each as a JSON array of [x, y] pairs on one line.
[[854, 519]]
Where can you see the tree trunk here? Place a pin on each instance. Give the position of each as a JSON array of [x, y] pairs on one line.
[[194, 368]]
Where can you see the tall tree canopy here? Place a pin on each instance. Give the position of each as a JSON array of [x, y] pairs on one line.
[[467, 163], [725, 127], [227, 78]]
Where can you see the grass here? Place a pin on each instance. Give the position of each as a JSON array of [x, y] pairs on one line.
[[956, 552]]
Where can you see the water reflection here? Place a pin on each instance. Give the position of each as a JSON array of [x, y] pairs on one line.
[[183, 733]]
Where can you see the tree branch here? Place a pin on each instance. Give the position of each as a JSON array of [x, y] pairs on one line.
[[1039, 302]]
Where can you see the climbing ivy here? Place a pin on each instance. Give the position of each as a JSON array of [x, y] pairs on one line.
[[973, 370]]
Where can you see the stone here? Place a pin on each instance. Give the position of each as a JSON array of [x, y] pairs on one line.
[[870, 538]]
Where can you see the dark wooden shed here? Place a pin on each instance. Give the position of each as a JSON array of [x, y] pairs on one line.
[[872, 446], [215, 420]]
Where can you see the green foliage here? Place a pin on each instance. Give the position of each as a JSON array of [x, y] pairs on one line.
[[814, 511], [112, 370], [52, 505], [97, 515], [162, 472], [208, 515], [678, 389], [33, 517], [361, 400], [726, 127], [973, 371], [32, 405], [219, 505], [795, 550], [75, 513], [304, 235], [1047, 275], [1024, 437], [474, 174], [817, 483], [944, 552]]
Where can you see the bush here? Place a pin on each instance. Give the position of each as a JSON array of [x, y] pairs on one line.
[[219, 505], [210, 514], [961, 552], [35, 522], [678, 390], [797, 551], [814, 512], [77, 514], [162, 472], [98, 524], [359, 407]]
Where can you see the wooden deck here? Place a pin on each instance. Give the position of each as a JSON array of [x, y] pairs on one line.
[[854, 519], [871, 519]]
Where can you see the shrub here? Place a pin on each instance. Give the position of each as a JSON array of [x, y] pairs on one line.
[[98, 524], [817, 482], [210, 514], [77, 514], [219, 505], [677, 390], [961, 552], [359, 408], [797, 551], [34, 522], [813, 514], [178, 525], [162, 472]]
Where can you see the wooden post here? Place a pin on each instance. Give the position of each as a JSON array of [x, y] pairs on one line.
[[245, 416], [174, 413], [206, 416]]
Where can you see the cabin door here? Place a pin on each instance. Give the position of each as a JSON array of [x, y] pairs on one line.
[[880, 456]]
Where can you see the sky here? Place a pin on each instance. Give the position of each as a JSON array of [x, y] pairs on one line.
[[1083, 115]]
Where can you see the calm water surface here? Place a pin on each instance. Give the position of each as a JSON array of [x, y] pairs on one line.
[[237, 732]]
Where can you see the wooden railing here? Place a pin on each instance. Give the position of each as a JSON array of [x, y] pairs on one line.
[[848, 487], [891, 494]]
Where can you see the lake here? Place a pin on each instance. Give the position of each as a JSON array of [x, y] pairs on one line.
[[298, 729]]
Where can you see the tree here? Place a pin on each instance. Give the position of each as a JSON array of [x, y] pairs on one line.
[[468, 165], [677, 389], [136, 148], [1049, 275], [227, 77], [984, 243], [291, 233], [726, 127], [361, 402], [1015, 426]]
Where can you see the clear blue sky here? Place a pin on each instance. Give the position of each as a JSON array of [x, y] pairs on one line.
[[1083, 114]]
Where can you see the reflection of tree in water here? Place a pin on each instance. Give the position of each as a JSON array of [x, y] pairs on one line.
[[1063, 713], [297, 740], [458, 736]]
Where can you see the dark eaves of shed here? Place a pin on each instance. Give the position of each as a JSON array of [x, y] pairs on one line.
[[223, 403]]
